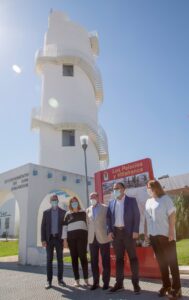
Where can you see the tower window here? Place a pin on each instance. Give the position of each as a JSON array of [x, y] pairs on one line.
[[68, 70], [68, 138]]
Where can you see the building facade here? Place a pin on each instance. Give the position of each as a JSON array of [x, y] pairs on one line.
[[72, 93], [31, 187]]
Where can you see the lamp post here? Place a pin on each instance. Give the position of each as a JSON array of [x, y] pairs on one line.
[[84, 143]]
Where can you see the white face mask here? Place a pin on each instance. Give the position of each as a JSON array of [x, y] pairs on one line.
[[150, 193], [74, 204], [54, 203], [117, 193], [93, 202]]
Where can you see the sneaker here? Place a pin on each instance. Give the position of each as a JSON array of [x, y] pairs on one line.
[[117, 288], [164, 291], [137, 289], [174, 294], [61, 283], [76, 284], [48, 285], [86, 282]]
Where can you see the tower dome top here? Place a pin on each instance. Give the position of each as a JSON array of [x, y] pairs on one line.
[[57, 16]]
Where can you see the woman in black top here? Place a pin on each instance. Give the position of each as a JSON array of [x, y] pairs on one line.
[[75, 236]]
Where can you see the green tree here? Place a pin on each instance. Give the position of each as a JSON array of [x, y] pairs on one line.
[[182, 216]]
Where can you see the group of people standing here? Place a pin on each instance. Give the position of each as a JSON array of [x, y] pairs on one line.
[[118, 223]]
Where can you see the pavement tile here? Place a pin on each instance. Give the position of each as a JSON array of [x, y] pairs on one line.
[[27, 283]]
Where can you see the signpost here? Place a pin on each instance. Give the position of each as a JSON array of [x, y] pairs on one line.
[[134, 175]]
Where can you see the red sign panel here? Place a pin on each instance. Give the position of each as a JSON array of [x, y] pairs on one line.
[[134, 175]]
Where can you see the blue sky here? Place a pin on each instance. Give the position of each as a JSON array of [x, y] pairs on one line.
[[144, 62]]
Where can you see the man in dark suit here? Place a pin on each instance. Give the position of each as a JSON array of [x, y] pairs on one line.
[[51, 237], [123, 218]]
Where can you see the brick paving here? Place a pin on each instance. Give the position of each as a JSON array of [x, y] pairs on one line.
[[27, 283]]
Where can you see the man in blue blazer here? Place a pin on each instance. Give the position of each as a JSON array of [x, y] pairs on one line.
[[51, 238], [123, 218]]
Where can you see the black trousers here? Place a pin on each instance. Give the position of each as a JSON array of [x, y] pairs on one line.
[[122, 242], [78, 250], [166, 255], [57, 244], [105, 254]]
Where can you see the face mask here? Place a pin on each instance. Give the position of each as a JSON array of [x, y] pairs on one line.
[[93, 202], [74, 204], [54, 204], [149, 191], [117, 193]]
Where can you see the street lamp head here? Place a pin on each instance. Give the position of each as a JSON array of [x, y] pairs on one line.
[[84, 139]]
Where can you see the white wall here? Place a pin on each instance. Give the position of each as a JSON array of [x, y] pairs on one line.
[[15, 183], [66, 33], [66, 158], [75, 96]]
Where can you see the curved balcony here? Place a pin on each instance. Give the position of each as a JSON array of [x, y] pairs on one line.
[[95, 132], [57, 55]]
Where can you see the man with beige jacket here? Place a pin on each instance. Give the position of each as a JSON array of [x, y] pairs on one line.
[[98, 240]]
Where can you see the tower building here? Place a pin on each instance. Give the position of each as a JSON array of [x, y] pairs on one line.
[[72, 93]]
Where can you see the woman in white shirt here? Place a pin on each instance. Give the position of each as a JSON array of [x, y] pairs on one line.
[[160, 229]]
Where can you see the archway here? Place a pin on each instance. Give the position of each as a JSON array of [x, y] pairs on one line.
[[9, 222], [64, 196]]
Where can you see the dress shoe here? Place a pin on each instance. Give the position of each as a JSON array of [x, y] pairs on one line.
[[61, 283], [137, 289], [174, 294], [48, 285], [164, 291], [105, 287], [94, 287], [116, 288]]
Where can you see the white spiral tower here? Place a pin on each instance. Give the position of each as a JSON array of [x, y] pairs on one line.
[[71, 95]]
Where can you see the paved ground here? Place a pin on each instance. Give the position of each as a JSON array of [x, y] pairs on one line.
[[27, 283]]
